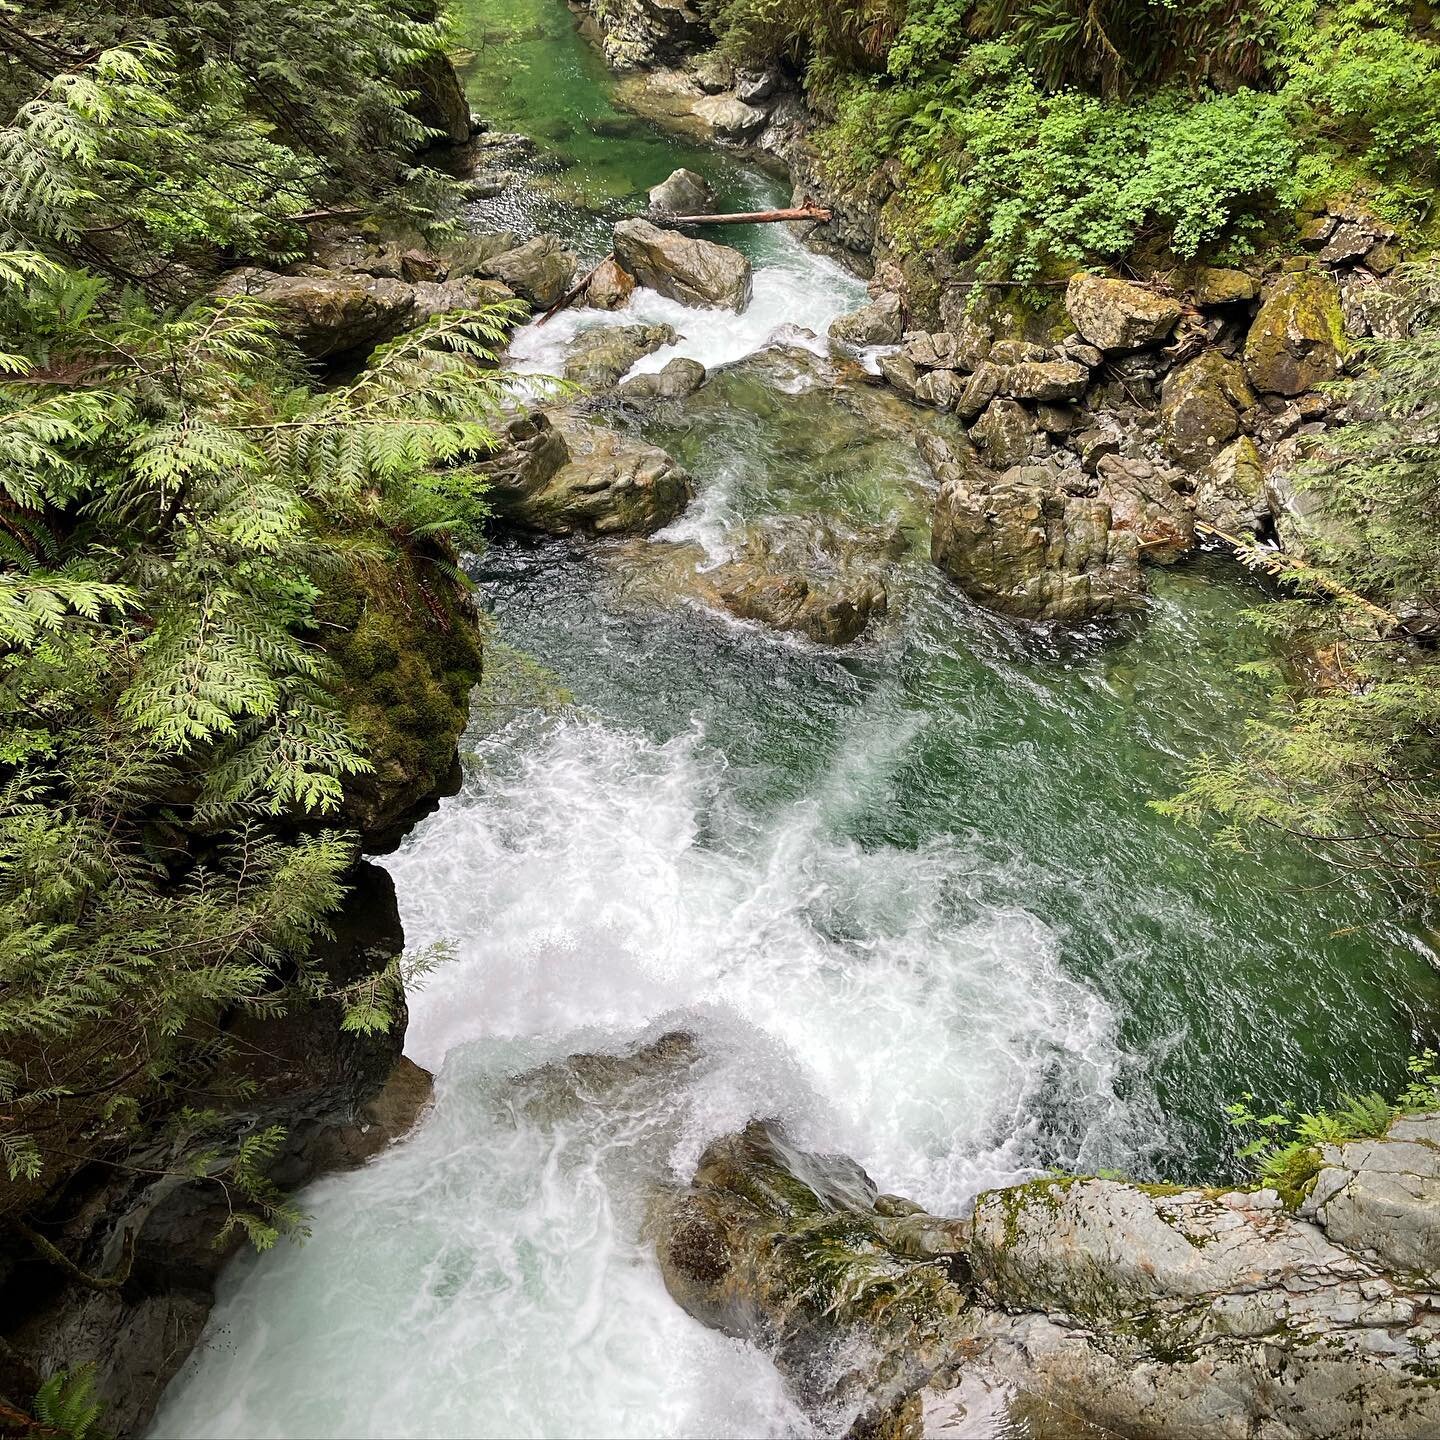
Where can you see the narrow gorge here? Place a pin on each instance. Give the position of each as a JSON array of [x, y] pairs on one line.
[[833, 1037]]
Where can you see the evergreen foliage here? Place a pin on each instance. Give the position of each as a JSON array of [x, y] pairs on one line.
[[179, 502], [1347, 759], [1035, 134]]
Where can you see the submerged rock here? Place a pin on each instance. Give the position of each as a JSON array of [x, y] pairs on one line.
[[694, 272], [561, 475]]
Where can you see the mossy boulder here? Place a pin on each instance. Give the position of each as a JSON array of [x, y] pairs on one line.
[[600, 357], [407, 642], [1297, 341], [1116, 316], [1231, 494], [1200, 405]]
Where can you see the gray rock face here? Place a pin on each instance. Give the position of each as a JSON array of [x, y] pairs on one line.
[[1382, 1198], [878, 323], [1118, 316], [1018, 543], [600, 357], [639, 34], [694, 272], [1152, 1312], [683, 192], [540, 270], [329, 315], [564, 476]]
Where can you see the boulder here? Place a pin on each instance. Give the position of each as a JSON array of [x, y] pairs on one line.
[[1005, 432], [600, 357], [439, 104], [1214, 286], [694, 272], [878, 323], [682, 193], [328, 315], [730, 118], [1200, 407], [1231, 492], [1043, 380], [1018, 543], [754, 87], [1144, 501], [540, 270], [1115, 315], [961, 349], [900, 371], [606, 484], [807, 575], [464, 294], [610, 287], [941, 388], [979, 390], [680, 377], [1297, 341]]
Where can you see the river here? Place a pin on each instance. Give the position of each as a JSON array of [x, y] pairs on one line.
[[911, 899]]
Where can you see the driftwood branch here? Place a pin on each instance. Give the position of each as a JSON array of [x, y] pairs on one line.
[[749, 217]]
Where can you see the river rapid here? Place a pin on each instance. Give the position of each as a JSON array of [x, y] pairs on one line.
[[911, 899]]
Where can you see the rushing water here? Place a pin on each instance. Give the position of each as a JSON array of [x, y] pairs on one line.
[[911, 899]]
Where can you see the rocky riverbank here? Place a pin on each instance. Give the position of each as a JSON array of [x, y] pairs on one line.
[[1101, 426], [1072, 1303]]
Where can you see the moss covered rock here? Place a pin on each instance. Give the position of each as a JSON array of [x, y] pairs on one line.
[[1297, 341], [1200, 405]]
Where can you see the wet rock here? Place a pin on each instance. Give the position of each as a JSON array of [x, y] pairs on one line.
[[783, 1247], [610, 287], [808, 576], [680, 378], [1115, 315], [328, 315], [682, 193], [600, 357], [606, 484], [1005, 432], [540, 270], [730, 118], [754, 87], [1297, 340], [900, 372], [878, 323], [386, 1117], [1200, 407], [1224, 287], [694, 272], [1016, 542], [1144, 501]]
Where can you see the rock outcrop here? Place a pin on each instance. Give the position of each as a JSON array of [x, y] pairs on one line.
[[329, 315], [1024, 542], [1154, 1312], [694, 272], [562, 475]]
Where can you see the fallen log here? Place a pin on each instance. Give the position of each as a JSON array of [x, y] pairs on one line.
[[748, 217]]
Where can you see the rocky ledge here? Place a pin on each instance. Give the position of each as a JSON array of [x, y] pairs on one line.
[[1144, 1311]]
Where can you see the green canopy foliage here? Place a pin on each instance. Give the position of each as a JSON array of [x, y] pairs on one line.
[[179, 501]]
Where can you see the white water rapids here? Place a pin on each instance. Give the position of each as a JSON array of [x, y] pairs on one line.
[[490, 1276]]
